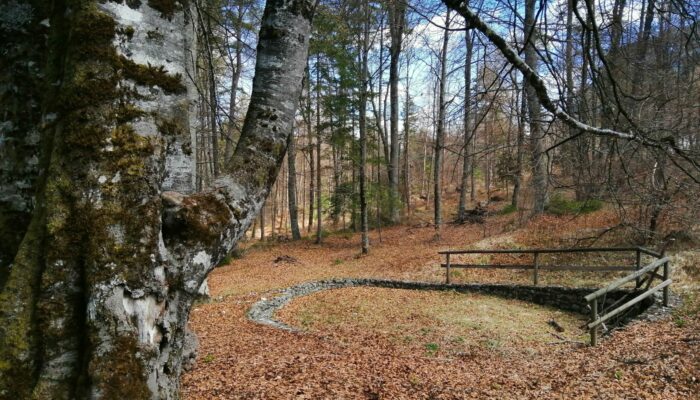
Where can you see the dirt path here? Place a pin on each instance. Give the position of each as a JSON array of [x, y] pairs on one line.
[[239, 359]]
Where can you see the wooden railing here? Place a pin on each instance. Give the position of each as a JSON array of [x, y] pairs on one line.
[[600, 312], [536, 266], [643, 277]]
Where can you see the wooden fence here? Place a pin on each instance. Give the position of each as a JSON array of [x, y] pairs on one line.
[[643, 275]]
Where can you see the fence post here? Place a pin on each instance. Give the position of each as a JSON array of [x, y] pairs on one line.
[[447, 273], [637, 266], [537, 269], [667, 272], [594, 317]]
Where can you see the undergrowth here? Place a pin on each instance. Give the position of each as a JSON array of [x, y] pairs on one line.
[[560, 205]]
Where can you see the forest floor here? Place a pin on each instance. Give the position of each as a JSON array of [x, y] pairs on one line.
[[370, 343]]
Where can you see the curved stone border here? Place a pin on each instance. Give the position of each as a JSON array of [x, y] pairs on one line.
[[569, 299]]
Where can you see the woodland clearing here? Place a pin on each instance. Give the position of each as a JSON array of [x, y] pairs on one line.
[[408, 345]]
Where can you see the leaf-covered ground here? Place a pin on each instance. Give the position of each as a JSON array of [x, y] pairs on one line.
[[336, 359]]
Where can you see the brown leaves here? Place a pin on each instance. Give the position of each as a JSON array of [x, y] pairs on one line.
[[242, 360]]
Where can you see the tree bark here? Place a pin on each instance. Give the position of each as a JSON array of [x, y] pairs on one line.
[[364, 224], [517, 181], [440, 130], [539, 161], [292, 186], [22, 94], [397, 14], [312, 163], [96, 303], [406, 145], [235, 78], [469, 43], [319, 206]]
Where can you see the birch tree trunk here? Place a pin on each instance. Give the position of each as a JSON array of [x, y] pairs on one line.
[[97, 299]]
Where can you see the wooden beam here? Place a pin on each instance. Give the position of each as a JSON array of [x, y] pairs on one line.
[[628, 278], [629, 304], [588, 268], [550, 251]]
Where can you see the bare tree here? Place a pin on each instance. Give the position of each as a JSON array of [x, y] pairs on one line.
[[440, 130]]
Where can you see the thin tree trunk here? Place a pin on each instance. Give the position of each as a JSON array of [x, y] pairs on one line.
[[397, 15], [539, 161], [312, 163], [522, 102], [213, 101], [235, 78], [469, 43], [364, 225], [440, 131], [406, 145], [319, 206], [292, 186]]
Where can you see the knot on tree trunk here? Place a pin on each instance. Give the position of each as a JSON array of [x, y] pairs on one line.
[[197, 219]]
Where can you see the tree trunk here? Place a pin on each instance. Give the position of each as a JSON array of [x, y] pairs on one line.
[[469, 42], [517, 181], [319, 208], [364, 224], [22, 64], [397, 13], [96, 303], [539, 161], [292, 186], [213, 100], [440, 131], [235, 78], [406, 146]]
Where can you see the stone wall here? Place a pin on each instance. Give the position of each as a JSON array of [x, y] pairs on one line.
[[568, 299]]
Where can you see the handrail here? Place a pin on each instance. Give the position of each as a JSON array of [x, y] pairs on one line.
[[628, 278], [548, 267], [629, 304], [649, 269], [567, 250], [536, 265]]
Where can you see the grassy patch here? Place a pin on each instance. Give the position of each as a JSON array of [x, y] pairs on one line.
[[432, 348], [509, 209], [446, 322], [208, 358], [559, 205]]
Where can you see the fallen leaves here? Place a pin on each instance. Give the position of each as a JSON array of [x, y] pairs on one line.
[[239, 359]]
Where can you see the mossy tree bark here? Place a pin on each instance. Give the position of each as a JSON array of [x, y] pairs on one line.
[[99, 288]]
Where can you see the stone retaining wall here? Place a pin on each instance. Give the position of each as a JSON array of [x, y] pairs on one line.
[[568, 299]]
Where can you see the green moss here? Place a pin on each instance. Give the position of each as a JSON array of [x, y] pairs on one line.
[[155, 36], [149, 75], [166, 8], [130, 150], [168, 127], [90, 34], [509, 209], [126, 112], [127, 31], [559, 205], [124, 380], [205, 216]]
